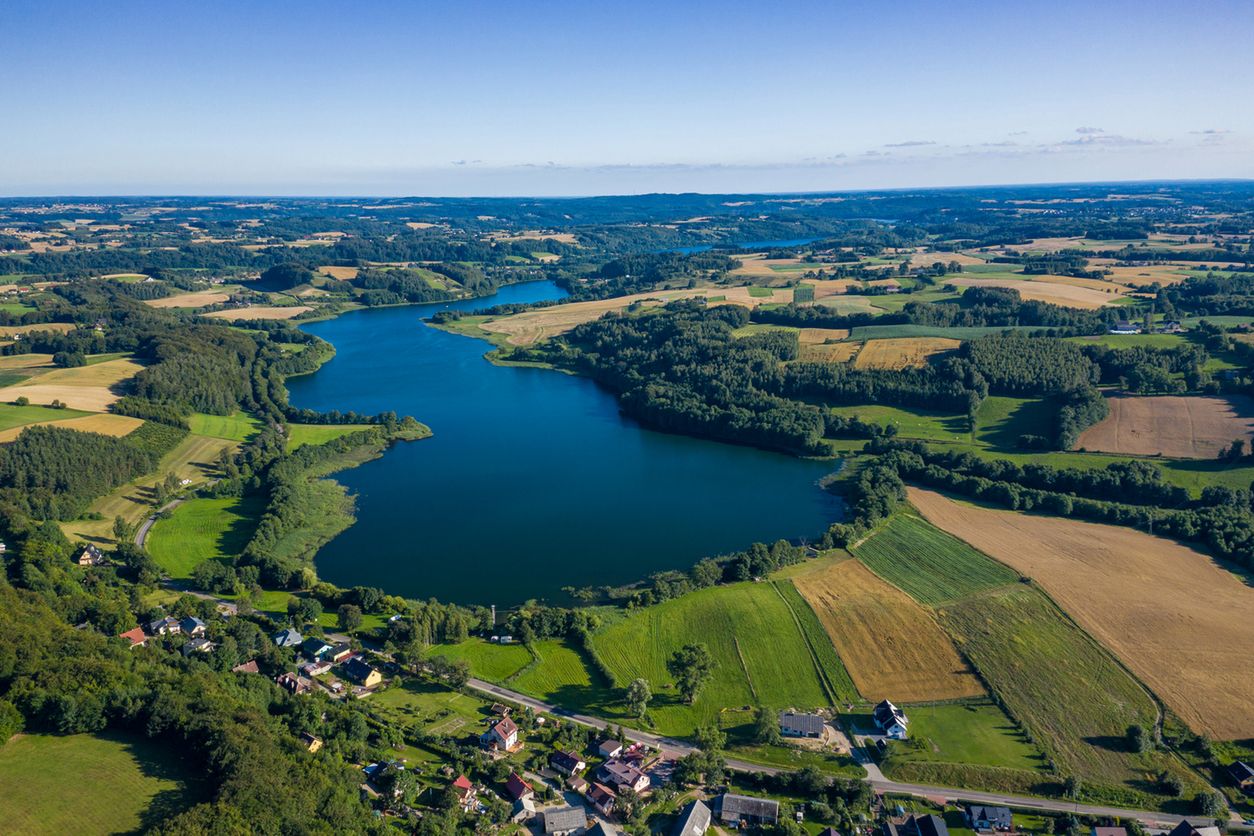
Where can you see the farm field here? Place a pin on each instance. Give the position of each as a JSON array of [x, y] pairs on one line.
[[1137, 594], [977, 733], [302, 434], [1043, 289], [90, 784], [91, 388], [891, 646], [237, 427], [832, 670], [15, 417], [559, 673], [759, 653], [198, 299], [902, 352], [929, 565], [105, 424], [14, 368], [202, 529], [57, 327], [1188, 426], [912, 423], [261, 312]]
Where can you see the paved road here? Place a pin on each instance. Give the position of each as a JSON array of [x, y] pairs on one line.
[[141, 536], [875, 777]]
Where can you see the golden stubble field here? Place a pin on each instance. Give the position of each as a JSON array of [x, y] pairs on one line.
[[260, 312], [198, 299], [902, 352], [891, 645], [1176, 618], [105, 424], [1180, 426], [1059, 290], [90, 388]]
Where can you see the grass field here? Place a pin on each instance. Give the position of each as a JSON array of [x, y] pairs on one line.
[[237, 427], [493, 662], [433, 709], [19, 416], [89, 784], [928, 564], [302, 434], [1141, 596], [877, 332], [202, 529], [759, 653], [891, 646], [832, 671], [559, 672], [912, 423], [977, 733]]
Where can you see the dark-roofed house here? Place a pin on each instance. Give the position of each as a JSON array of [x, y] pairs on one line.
[[794, 724], [1242, 775], [567, 763], [136, 636], [163, 626], [990, 818], [517, 788], [602, 829], [602, 798], [620, 775], [1186, 829], [192, 626], [891, 720], [201, 645], [288, 638], [560, 821], [90, 556], [693, 820], [743, 809], [314, 647], [917, 826], [339, 652], [1108, 831], [829, 831], [362, 673]]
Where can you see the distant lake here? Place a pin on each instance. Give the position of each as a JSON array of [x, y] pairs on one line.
[[746, 245], [533, 480]]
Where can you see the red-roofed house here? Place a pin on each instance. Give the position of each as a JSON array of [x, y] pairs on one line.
[[517, 788], [465, 791], [602, 797], [503, 734], [137, 637]]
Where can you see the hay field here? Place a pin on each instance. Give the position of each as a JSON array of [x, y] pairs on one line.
[[823, 288], [57, 327], [105, 424], [532, 326], [902, 353], [757, 265], [816, 336], [343, 274], [90, 388], [1164, 274], [1043, 289], [1179, 426], [197, 299], [261, 312], [829, 352], [25, 362], [1177, 619], [891, 646], [924, 257]]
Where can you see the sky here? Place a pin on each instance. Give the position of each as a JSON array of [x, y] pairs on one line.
[[270, 97]]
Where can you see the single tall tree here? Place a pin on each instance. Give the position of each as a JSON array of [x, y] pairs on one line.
[[692, 666]]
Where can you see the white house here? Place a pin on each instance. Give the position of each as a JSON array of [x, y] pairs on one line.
[[503, 734], [891, 720]]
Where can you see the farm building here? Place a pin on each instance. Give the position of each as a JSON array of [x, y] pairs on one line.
[[1124, 327], [503, 734], [621, 775], [891, 720], [287, 638], [602, 798], [518, 789], [362, 673], [990, 818], [794, 724], [738, 810], [563, 820], [567, 763], [693, 820]]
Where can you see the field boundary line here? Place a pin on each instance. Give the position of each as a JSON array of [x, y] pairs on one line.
[[753, 692], [828, 688], [536, 659]]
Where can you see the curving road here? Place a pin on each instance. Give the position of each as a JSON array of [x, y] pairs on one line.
[[875, 777]]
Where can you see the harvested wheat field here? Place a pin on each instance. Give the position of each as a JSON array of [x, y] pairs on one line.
[[344, 274], [1179, 426], [757, 265], [926, 258], [542, 323], [891, 645], [1043, 289], [24, 362], [1176, 618], [902, 352], [58, 327], [829, 352], [261, 312], [105, 424], [817, 336], [90, 388], [824, 288], [199, 299]]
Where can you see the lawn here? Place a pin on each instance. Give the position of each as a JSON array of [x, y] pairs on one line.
[[977, 733], [237, 427], [301, 434], [19, 416], [760, 655], [85, 784], [432, 708], [493, 662], [928, 564], [202, 529]]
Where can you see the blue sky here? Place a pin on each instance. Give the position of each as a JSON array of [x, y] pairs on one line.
[[496, 98]]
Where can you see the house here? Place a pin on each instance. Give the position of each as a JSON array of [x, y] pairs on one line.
[[362, 673], [247, 667], [502, 734], [311, 742], [602, 798], [1108, 831], [693, 820], [524, 811], [339, 652], [990, 818], [578, 784], [315, 668], [829, 831], [90, 556], [163, 626], [1124, 327], [465, 792], [1186, 829], [192, 626], [500, 709], [738, 810], [602, 829], [314, 647], [292, 683], [622, 775], [609, 748], [793, 724], [517, 788], [891, 720], [201, 645], [1241, 775], [287, 638], [563, 820], [1172, 326], [567, 763], [137, 637], [928, 826]]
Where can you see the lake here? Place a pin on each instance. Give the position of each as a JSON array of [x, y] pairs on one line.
[[533, 480]]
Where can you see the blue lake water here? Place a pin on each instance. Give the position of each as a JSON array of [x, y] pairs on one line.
[[533, 480]]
